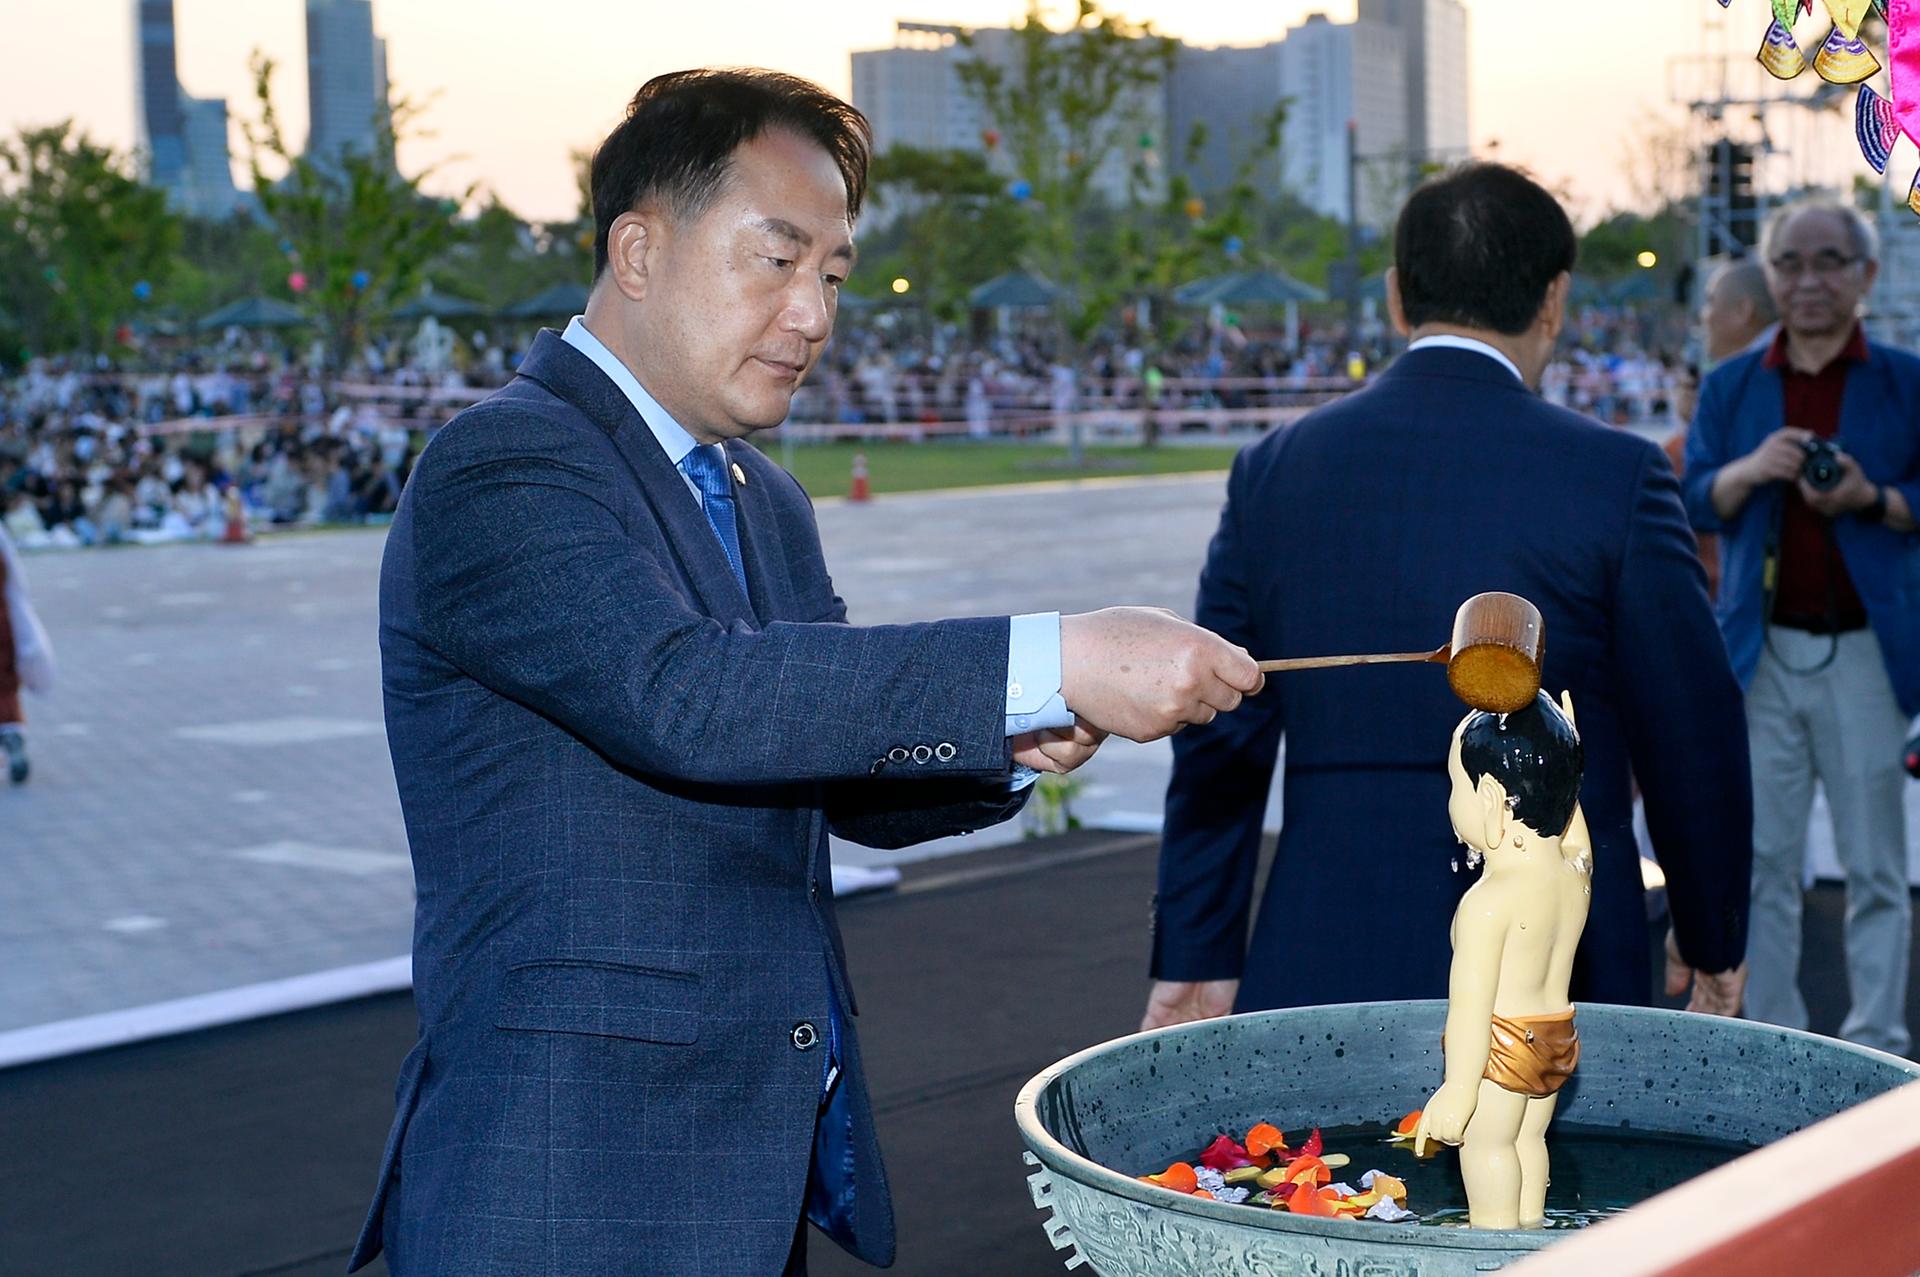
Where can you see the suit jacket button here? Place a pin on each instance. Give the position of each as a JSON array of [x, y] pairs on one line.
[[805, 1036], [921, 753], [898, 754], [813, 889], [879, 765], [945, 751]]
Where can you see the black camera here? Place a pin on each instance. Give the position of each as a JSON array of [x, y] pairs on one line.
[[1821, 466]]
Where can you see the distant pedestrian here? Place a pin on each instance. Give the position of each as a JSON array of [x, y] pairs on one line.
[[26, 659]]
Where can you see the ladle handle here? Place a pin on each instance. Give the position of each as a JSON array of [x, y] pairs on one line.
[[1323, 662]]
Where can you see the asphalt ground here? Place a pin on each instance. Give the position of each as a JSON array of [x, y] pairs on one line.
[[250, 1149]]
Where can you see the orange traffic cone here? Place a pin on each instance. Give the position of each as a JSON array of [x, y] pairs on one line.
[[859, 490], [236, 533]]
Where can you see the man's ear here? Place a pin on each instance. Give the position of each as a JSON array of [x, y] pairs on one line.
[[1494, 812], [1396, 311], [633, 242], [1553, 308]]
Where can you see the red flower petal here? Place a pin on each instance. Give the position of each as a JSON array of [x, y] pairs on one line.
[[1313, 1147], [1225, 1155]]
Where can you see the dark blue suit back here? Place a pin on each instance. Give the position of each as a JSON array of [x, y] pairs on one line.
[[1362, 529]]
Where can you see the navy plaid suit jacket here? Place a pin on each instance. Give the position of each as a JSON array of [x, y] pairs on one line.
[[618, 773], [1362, 529]]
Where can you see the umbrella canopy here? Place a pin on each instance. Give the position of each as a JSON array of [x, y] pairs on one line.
[[254, 312], [439, 306], [1017, 288], [561, 299], [1247, 288]]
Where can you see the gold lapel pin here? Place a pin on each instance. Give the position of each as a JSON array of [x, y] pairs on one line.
[[739, 475]]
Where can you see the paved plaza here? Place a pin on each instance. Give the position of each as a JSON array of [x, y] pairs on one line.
[[212, 805]]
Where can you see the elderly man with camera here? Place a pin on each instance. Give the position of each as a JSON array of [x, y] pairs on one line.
[[1805, 457]]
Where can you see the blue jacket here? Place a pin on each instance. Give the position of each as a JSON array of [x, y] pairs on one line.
[[1362, 529], [1740, 405], [618, 773]]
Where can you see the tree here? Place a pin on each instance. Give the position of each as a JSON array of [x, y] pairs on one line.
[[499, 259], [358, 234], [78, 234], [1068, 105], [954, 227]]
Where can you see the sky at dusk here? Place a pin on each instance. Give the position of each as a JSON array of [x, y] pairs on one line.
[[1563, 86]]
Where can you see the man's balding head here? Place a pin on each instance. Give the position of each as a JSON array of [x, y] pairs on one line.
[[1738, 307]]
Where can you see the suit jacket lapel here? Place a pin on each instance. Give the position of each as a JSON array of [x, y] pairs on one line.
[[572, 376]]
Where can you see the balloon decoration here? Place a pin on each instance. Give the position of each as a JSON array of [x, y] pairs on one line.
[[142, 290], [1021, 189], [991, 137], [1233, 245], [297, 281], [1146, 141], [1196, 208], [361, 279]]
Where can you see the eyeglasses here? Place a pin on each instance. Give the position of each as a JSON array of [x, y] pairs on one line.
[[1824, 264]]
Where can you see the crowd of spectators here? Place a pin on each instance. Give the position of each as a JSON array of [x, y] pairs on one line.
[[92, 454]]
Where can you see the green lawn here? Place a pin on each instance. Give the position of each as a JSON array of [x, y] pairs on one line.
[[825, 469]]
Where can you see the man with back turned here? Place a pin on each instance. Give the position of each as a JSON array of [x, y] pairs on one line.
[[1362, 529]]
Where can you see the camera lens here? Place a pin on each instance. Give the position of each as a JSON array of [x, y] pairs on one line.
[[1821, 469]]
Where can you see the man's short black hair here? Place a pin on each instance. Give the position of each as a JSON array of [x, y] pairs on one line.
[[1477, 247], [681, 131], [1536, 756]]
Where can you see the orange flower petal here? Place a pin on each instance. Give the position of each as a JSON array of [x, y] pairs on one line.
[[1264, 1138], [1388, 1186], [1308, 1169], [1307, 1201], [1405, 1126], [1179, 1177]]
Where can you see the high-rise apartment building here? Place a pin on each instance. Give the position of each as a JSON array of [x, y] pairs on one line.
[[1436, 97], [346, 80], [184, 139], [1399, 73]]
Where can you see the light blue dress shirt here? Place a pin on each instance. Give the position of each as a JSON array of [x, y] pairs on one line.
[[1033, 640]]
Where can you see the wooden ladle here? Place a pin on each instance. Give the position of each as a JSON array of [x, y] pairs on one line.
[[1493, 659]]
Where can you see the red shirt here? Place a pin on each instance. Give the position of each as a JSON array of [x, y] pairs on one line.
[[1815, 591]]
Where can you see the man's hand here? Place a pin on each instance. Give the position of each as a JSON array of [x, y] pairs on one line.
[[1179, 1002], [1854, 491], [1144, 673], [1713, 993], [1776, 460], [1779, 456], [1058, 750]]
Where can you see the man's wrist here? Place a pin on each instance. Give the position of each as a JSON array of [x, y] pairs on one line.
[[1875, 510]]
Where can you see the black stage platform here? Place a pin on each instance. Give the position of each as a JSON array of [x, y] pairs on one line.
[[251, 1149]]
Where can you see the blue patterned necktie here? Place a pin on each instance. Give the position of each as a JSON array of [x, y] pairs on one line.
[[706, 465]]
